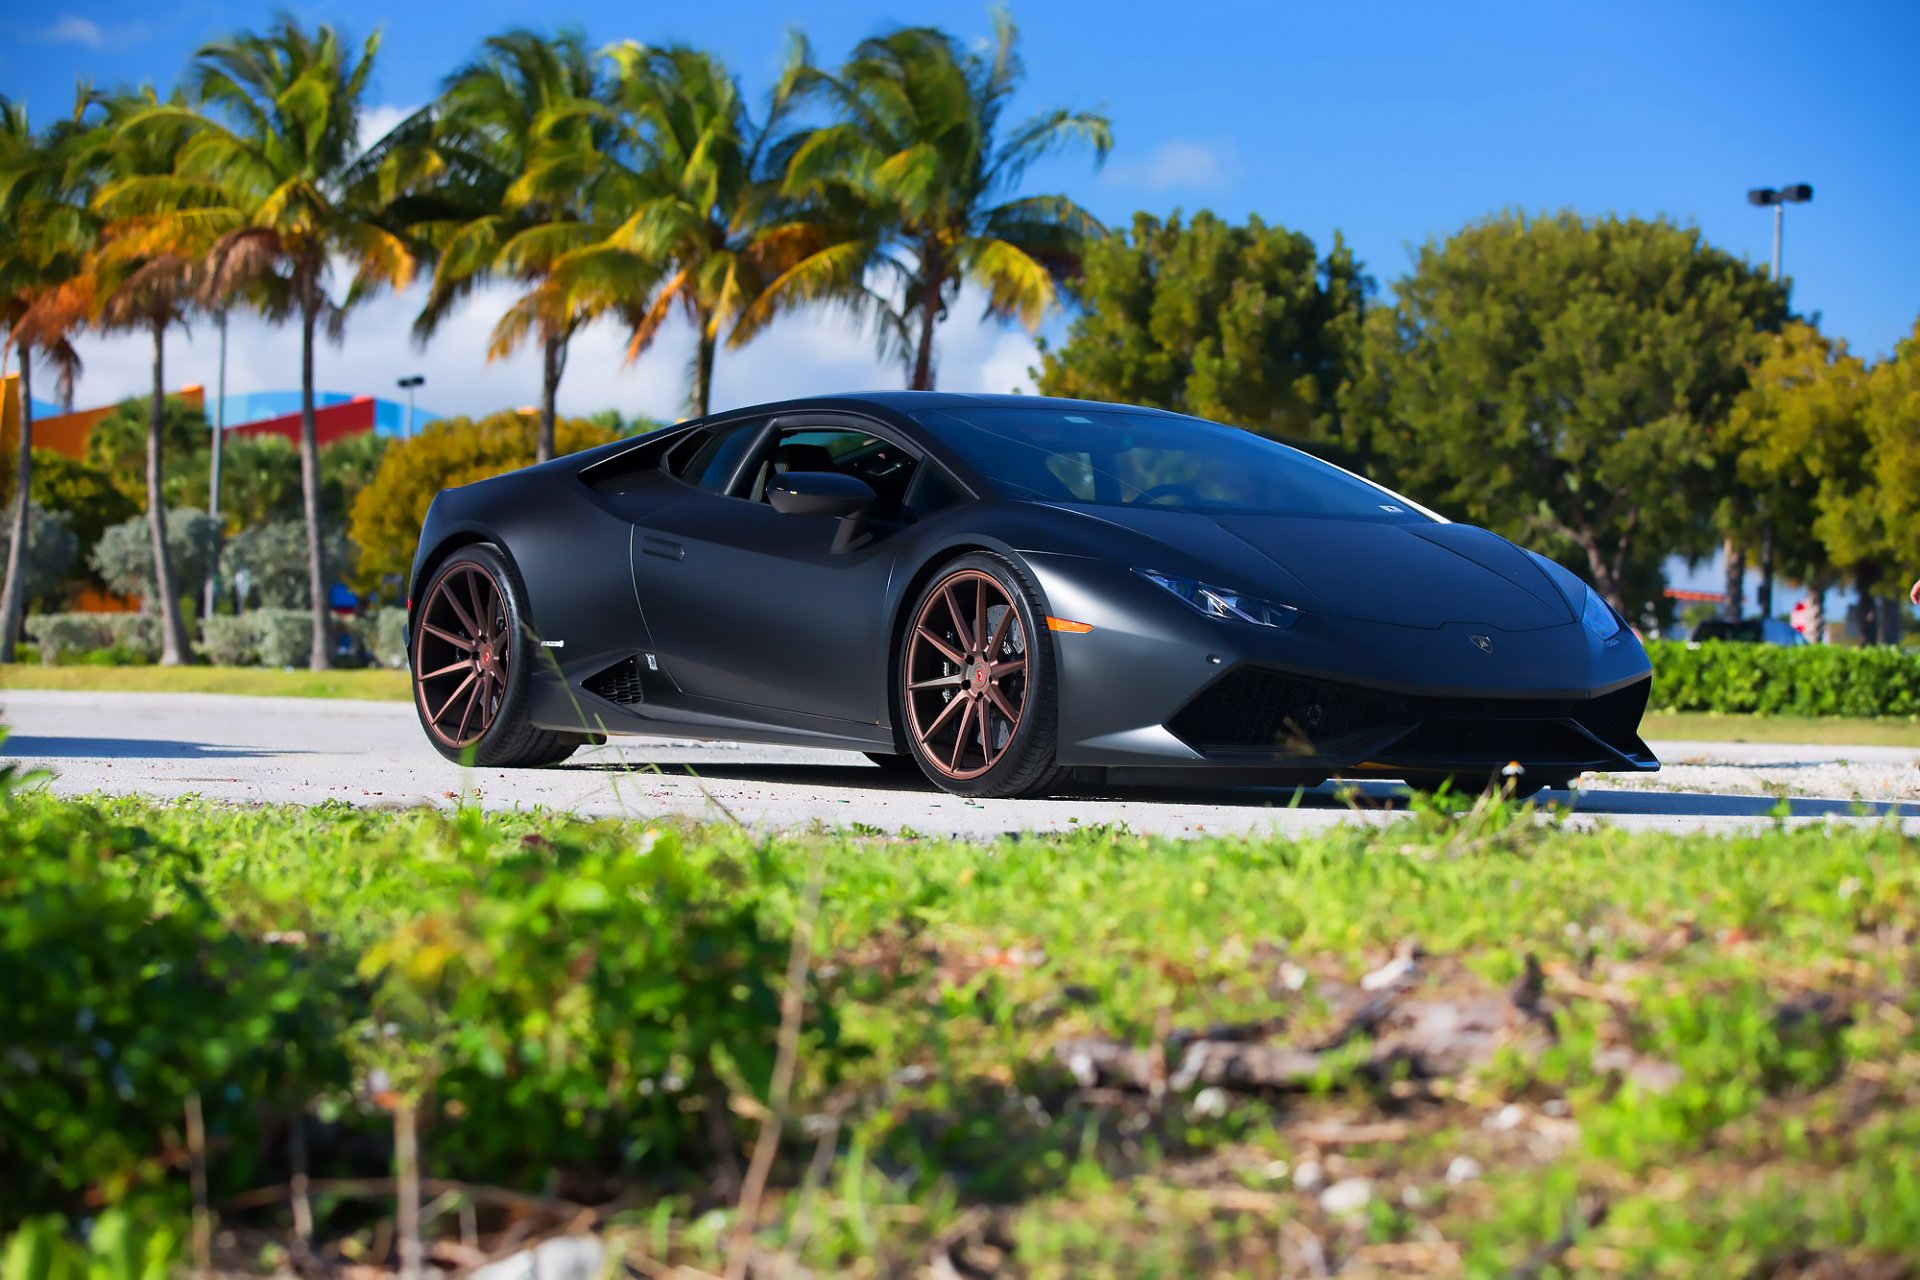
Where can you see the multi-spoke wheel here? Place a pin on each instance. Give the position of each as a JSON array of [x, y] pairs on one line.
[[977, 694], [469, 651]]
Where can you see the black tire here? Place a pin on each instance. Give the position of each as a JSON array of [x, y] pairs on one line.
[[1024, 763], [509, 740]]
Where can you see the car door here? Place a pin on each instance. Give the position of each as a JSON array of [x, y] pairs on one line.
[[750, 606]]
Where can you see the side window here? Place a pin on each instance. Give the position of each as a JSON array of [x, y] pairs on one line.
[[711, 463], [848, 451], [934, 492]]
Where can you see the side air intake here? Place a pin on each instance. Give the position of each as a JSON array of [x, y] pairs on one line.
[[618, 683]]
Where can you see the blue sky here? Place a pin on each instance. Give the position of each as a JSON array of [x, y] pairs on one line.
[[1392, 123]]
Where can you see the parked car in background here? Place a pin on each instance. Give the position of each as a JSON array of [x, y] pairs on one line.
[[1747, 631]]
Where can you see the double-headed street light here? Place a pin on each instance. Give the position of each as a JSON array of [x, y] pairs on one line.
[[1798, 193], [407, 384]]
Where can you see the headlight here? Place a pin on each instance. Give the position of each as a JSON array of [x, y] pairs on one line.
[[1224, 602], [1595, 614], [1599, 616]]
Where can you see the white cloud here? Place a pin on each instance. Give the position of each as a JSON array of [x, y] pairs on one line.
[[1180, 164], [807, 353], [71, 28], [375, 122]]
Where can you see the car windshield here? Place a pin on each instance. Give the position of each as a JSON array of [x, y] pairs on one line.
[[1116, 458]]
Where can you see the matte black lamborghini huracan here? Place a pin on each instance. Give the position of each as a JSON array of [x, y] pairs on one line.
[[1008, 593]]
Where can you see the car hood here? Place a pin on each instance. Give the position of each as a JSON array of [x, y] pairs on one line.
[[1410, 575]]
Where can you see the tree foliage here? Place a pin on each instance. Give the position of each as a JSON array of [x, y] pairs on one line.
[[50, 554], [82, 493], [453, 451], [924, 174], [1892, 423], [117, 445], [1242, 324], [1559, 380], [124, 555], [274, 557]]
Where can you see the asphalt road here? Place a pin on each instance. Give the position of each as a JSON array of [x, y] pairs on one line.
[[371, 753]]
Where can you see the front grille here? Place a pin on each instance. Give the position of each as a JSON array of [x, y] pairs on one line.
[[618, 683], [1255, 708]]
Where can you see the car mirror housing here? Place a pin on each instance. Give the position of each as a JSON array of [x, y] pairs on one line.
[[820, 493]]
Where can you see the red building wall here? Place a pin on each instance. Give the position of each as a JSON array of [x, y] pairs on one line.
[[331, 423]]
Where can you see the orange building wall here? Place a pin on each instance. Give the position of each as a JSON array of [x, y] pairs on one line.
[[67, 432]]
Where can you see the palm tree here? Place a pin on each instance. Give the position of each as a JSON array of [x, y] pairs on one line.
[[917, 151], [699, 212], [43, 303], [148, 270], [277, 180], [513, 135]]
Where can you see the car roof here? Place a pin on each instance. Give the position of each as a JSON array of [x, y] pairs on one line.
[[911, 401]]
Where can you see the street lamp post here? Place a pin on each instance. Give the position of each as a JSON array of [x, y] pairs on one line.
[[407, 384], [1779, 199]]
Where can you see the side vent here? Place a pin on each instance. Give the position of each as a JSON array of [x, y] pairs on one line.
[[618, 683]]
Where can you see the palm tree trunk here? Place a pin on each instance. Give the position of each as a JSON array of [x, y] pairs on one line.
[[929, 320], [1864, 576], [704, 349], [173, 630], [320, 655], [1736, 564], [13, 595], [553, 359]]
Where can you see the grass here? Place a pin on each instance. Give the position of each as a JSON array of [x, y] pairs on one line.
[[391, 686], [374, 683], [1850, 731], [1611, 1052]]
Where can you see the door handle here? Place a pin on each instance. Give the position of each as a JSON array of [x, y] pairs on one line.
[[662, 547]]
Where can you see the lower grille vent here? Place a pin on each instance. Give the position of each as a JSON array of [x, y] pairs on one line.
[[618, 683], [1261, 709]]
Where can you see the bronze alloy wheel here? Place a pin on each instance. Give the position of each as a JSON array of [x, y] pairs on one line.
[[461, 655], [967, 675]]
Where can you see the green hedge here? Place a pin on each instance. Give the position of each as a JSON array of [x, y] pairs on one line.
[[1769, 679], [64, 637]]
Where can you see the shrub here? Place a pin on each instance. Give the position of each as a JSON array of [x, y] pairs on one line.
[[124, 994], [65, 637], [388, 512], [1809, 680], [228, 642], [575, 997], [385, 635], [282, 637]]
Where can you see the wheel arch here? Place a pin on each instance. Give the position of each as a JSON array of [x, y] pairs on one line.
[[456, 539], [903, 603]]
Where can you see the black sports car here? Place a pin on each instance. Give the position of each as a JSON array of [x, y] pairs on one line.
[[1008, 593]]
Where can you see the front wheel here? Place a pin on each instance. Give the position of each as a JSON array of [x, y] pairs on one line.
[[978, 685], [471, 666]]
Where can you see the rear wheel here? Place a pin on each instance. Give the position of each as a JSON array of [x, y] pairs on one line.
[[472, 674], [978, 688]]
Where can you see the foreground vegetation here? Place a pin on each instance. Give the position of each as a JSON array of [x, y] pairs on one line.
[[1468, 1044]]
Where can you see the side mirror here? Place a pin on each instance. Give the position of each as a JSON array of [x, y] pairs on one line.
[[820, 493]]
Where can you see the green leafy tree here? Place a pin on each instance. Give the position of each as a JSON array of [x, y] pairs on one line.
[[922, 176], [82, 493], [1243, 324], [506, 190], [117, 445], [1796, 440], [275, 176], [124, 556], [274, 557], [259, 482], [1559, 380], [453, 451], [346, 467], [1889, 501]]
